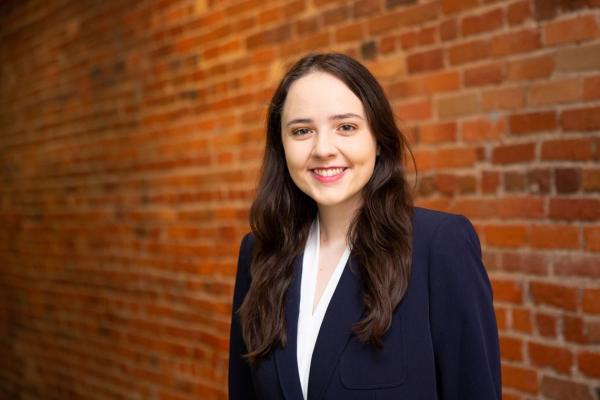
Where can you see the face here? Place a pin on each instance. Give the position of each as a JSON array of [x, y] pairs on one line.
[[329, 148]]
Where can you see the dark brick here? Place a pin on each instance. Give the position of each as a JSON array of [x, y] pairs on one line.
[[567, 180], [395, 3], [368, 50]]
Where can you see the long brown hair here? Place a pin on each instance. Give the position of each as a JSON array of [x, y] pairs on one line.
[[280, 217]]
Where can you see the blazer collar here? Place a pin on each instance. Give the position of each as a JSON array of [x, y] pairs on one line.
[[344, 309]]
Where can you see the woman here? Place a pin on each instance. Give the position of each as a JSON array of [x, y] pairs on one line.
[[344, 290]]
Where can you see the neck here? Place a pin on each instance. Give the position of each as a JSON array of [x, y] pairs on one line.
[[334, 222]]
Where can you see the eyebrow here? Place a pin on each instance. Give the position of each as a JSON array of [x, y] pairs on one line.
[[332, 118]]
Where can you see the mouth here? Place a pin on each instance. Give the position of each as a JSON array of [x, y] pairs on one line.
[[326, 172], [327, 175]]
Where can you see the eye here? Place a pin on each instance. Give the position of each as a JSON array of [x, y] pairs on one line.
[[300, 131], [347, 127]]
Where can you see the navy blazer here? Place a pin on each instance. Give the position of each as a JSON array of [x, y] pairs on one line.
[[442, 343]]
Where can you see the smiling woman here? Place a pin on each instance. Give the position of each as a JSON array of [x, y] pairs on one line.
[[344, 289]]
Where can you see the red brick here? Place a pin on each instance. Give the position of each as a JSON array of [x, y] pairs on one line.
[[553, 357], [490, 181], [590, 180], [514, 153], [555, 295], [365, 7], [567, 389], [521, 319], [350, 33], [437, 82], [573, 329], [412, 15], [555, 236], [589, 363], [488, 74], [501, 317], [335, 15], [445, 183], [485, 22], [581, 119], [567, 149], [546, 324], [522, 379], [511, 348], [455, 157], [450, 6], [387, 45], [425, 61], [448, 29], [481, 129], [591, 300], [269, 36], [506, 235], [438, 132], [591, 88], [571, 30], [531, 68], [575, 208], [469, 51], [591, 236], [557, 91], [532, 122], [505, 98], [519, 12], [414, 110], [515, 42], [520, 207], [307, 26], [507, 290]]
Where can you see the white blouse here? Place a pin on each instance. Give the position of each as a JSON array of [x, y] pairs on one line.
[[309, 323]]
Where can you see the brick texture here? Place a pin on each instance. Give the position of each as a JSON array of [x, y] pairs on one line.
[[131, 136]]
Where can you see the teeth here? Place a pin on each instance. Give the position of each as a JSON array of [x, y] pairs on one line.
[[329, 171]]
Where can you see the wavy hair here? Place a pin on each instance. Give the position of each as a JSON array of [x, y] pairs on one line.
[[380, 232]]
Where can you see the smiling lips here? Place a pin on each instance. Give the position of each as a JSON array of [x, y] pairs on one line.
[[327, 175]]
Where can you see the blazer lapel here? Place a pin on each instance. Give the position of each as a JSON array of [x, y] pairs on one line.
[[286, 360], [344, 309]]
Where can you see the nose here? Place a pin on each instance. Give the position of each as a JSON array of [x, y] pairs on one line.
[[324, 144]]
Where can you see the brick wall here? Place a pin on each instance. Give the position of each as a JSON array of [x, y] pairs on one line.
[[130, 141]]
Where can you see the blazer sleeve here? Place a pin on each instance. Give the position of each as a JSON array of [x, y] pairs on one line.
[[463, 322], [240, 380]]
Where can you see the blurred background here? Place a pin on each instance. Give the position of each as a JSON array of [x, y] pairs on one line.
[[131, 136]]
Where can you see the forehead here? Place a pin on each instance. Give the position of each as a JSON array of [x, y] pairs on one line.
[[320, 94]]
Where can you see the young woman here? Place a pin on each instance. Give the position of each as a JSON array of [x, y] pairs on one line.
[[344, 290]]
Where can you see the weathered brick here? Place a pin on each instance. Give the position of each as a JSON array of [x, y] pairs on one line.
[[508, 98], [437, 132], [483, 129], [506, 235], [511, 348], [455, 105], [468, 51], [589, 363], [578, 58], [574, 208], [557, 91], [559, 388]]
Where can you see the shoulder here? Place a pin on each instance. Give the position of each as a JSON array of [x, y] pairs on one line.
[[439, 228]]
